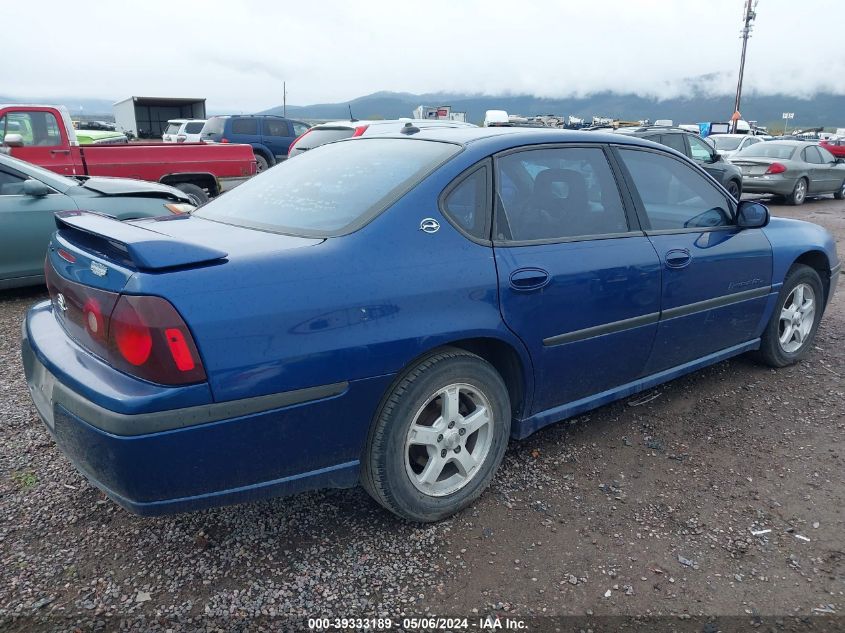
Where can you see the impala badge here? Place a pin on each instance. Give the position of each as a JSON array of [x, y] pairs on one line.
[[99, 269], [61, 303], [430, 225]]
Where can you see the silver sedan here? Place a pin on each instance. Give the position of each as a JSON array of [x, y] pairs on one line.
[[793, 169]]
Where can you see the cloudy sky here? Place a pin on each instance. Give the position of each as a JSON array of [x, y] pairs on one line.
[[237, 54]]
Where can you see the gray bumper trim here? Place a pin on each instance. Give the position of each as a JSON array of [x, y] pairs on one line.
[[144, 423]]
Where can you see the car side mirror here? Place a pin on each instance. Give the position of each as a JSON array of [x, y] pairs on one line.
[[13, 140], [715, 157], [751, 215], [35, 188]]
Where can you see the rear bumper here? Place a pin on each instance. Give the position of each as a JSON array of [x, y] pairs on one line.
[[768, 184], [150, 470]]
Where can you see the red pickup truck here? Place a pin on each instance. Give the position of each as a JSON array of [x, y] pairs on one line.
[[44, 135]]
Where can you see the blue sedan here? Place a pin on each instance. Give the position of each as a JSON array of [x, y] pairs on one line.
[[390, 310]]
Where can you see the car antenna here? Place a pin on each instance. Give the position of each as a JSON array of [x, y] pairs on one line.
[[351, 118]]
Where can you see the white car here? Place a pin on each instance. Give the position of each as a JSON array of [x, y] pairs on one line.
[[336, 130], [729, 144], [183, 131]]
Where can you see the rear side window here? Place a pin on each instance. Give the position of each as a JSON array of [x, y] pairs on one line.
[[673, 194], [244, 126], [214, 126], [172, 128], [467, 203], [811, 155], [675, 141], [321, 136], [194, 128], [552, 194], [331, 190], [274, 127]]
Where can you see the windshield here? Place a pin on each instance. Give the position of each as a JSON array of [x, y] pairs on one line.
[[331, 190], [767, 150], [726, 143]]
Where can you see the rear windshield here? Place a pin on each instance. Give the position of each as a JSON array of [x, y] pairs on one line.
[[214, 126], [331, 190], [726, 143], [321, 136], [767, 150], [172, 128]]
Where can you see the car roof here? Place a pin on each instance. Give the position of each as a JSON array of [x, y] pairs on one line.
[[347, 123], [518, 135]]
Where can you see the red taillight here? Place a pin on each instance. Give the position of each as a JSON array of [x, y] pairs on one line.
[[179, 349], [776, 168], [68, 257], [360, 130], [152, 342], [130, 334], [224, 140]]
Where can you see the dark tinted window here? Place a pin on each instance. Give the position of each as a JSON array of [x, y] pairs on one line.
[[467, 204], [675, 141], [332, 189], [194, 128], [321, 136], [811, 155], [556, 193], [214, 126], [674, 195], [244, 126], [274, 127]]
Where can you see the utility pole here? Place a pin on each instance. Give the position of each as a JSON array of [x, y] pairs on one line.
[[285, 97], [749, 14]]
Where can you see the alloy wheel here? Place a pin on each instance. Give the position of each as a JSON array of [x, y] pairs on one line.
[[800, 191], [796, 318], [449, 439]]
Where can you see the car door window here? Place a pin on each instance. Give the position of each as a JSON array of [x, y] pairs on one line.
[[273, 127], [553, 194], [811, 155], [244, 126], [674, 195], [11, 183], [675, 141], [37, 129], [827, 157], [699, 150], [467, 203]]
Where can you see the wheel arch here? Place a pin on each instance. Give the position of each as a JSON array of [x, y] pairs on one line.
[[257, 148], [203, 180], [818, 261]]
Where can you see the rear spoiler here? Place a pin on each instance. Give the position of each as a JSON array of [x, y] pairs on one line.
[[130, 244]]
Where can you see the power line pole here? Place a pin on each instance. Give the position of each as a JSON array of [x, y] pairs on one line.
[[749, 14], [285, 97]]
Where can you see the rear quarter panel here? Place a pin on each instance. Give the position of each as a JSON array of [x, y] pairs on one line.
[[791, 239]]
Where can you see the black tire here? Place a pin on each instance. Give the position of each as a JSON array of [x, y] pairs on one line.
[[383, 469], [840, 193], [735, 189], [771, 351], [261, 163], [798, 195], [197, 194]]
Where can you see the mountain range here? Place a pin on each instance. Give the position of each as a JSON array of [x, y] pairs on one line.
[[821, 109]]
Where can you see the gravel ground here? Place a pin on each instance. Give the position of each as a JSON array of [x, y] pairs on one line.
[[635, 509]]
